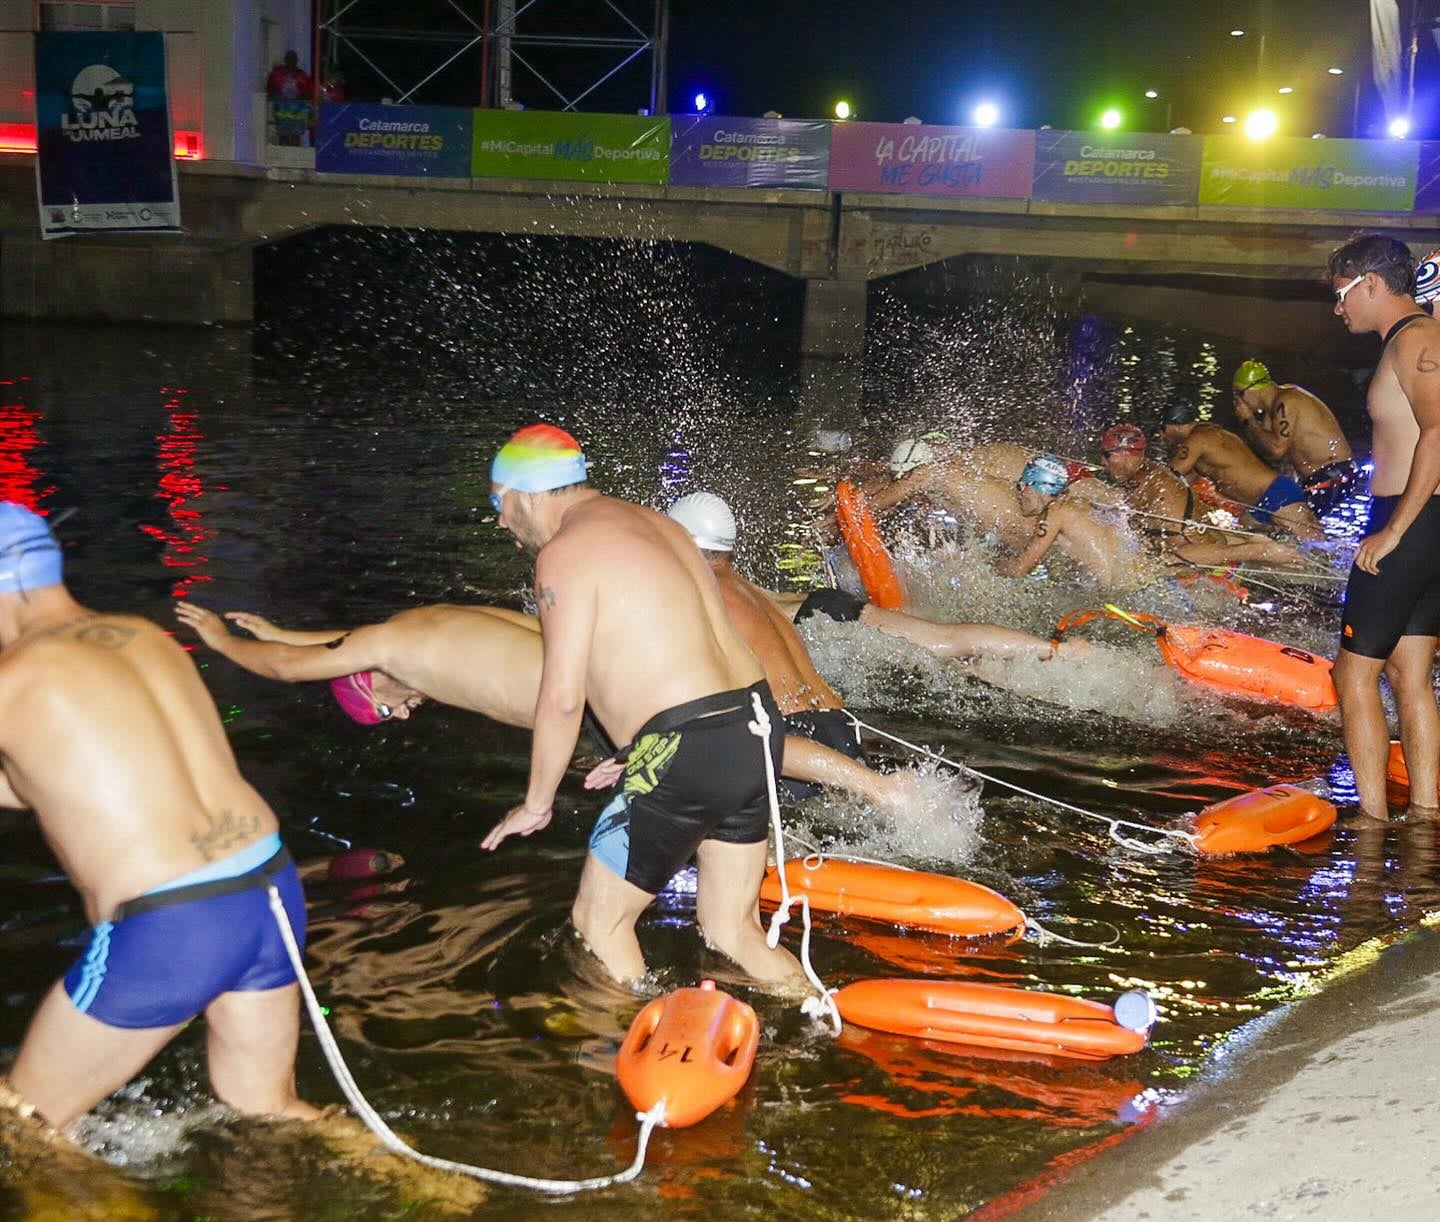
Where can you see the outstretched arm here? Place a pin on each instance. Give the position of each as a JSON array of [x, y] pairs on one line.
[[806, 760], [263, 629], [331, 656]]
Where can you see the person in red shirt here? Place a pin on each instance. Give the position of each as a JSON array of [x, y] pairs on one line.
[[289, 88]]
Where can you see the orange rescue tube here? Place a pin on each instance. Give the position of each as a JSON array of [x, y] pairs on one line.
[[902, 897], [1256, 821], [692, 1048], [1397, 772], [857, 528], [1228, 661], [991, 1016]]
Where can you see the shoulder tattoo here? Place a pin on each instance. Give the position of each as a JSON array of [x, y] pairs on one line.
[[545, 596], [105, 636], [1424, 363]]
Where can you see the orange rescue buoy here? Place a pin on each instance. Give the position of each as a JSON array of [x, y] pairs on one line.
[[902, 897], [857, 528], [1230, 662], [1397, 772], [692, 1048], [991, 1016], [1256, 821]]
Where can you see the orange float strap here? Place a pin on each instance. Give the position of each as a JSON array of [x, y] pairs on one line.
[[902, 897], [862, 540], [1228, 661], [1254, 822], [691, 1051], [993, 1016]]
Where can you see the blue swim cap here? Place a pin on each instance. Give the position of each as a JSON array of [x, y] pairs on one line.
[[29, 555], [1047, 474]]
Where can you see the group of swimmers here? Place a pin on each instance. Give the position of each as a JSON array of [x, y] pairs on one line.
[[647, 634]]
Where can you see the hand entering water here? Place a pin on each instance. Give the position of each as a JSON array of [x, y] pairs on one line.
[[519, 822]]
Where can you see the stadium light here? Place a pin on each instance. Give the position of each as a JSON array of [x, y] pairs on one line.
[[842, 110], [1399, 127], [702, 103], [1261, 124], [987, 114], [1111, 119]]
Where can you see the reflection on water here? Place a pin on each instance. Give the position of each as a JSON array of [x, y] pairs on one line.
[[324, 486]]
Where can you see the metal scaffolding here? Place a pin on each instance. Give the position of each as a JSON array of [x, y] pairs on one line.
[[551, 47]]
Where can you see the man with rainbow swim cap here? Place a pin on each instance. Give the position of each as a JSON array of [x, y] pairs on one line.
[[1289, 424], [633, 626], [108, 734]]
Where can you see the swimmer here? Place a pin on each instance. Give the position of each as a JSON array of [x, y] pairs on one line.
[[482, 659], [1392, 602], [1289, 424], [635, 627], [1150, 489], [1221, 456], [1104, 552], [108, 734]]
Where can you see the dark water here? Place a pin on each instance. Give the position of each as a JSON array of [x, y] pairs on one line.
[[333, 469]]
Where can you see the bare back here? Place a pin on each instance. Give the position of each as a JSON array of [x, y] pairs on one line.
[[1314, 434], [661, 636], [1158, 490], [1394, 428], [1222, 456], [1106, 552], [484, 659], [772, 638], [109, 734]]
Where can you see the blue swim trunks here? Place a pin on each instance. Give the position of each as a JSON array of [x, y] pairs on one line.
[[1282, 491], [166, 955]]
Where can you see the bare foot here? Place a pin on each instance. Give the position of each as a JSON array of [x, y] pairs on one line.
[[1422, 814]]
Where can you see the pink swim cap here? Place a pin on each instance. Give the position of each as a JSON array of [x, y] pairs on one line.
[[356, 695]]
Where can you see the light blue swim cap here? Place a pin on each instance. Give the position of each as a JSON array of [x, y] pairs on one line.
[[29, 554], [1046, 474]]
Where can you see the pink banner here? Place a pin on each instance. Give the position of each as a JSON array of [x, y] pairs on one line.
[[913, 159]]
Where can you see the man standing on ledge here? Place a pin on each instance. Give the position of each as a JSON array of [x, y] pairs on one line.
[[633, 625], [1392, 603]]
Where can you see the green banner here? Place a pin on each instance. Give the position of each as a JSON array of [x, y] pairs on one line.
[[563, 145], [1292, 172]]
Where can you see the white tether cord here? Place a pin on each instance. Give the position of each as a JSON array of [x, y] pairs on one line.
[[387, 1136], [1115, 824], [823, 1004]]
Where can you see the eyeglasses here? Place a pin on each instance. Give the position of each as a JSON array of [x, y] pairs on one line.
[[1341, 292]]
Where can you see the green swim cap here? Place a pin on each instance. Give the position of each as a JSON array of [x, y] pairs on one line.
[[1251, 373]]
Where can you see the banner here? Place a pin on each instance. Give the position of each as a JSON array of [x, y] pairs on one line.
[[102, 128], [1427, 178], [706, 151], [431, 141], [912, 159], [1116, 168], [564, 145], [1292, 172]]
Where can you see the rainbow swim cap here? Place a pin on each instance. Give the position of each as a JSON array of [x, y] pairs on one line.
[[539, 458], [1251, 373], [1046, 474], [29, 553], [356, 695]]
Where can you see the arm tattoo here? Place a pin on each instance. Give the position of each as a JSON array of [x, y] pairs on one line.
[[546, 597], [1423, 364], [223, 833], [105, 636]]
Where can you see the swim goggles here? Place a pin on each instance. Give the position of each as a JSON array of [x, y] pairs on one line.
[[497, 499]]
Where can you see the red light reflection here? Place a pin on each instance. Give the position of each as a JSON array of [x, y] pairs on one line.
[[19, 435], [180, 486]]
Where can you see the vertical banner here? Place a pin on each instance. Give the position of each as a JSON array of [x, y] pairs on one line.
[[102, 127], [710, 151], [1116, 168], [1325, 175], [565, 146], [911, 159], [429, 141]]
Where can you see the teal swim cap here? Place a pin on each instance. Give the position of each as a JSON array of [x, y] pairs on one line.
[[1046, 474], [29, 553]]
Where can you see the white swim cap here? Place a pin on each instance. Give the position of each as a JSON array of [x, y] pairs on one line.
[[909, 454], [708, 519]]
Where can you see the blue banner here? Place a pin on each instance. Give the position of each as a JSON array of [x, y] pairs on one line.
[[1116, 168], [431, 141], [102, 130], [706, 151]]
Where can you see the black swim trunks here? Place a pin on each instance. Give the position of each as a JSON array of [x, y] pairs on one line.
[[693, 773], [836, 604], [1330, 485], [830, 728], [1403, 599]]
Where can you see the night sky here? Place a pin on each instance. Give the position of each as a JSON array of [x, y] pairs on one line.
[[1041, 61]]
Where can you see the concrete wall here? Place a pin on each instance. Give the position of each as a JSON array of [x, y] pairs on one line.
[[216, 56]]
